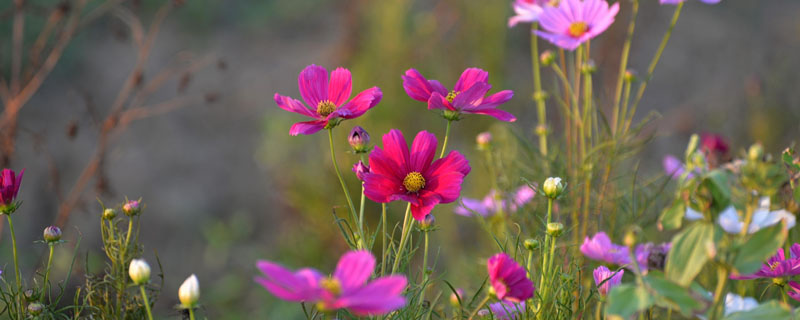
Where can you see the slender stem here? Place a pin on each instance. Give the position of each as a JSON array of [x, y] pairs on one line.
[[424, 269], [529, 264], [653, 63], [47, 273], [344, 186], [587, 140], [538, 94], [146, 303], [403, 238], [127, 239], [546, 257], [191, 313], [480, 305], [623, 63], [16, 264], [446, 136], [722, 281], [383, 239], [597, 311]]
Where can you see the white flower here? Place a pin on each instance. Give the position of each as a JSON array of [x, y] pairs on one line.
[[692, 214], [730, 221], [139, 271], [189, 292], [735, 303]]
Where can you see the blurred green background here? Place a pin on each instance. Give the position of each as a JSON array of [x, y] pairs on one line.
[[225, 184]]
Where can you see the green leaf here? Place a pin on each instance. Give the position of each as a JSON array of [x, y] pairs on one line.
[[672, 216], [788, 159], [771, 310], [716, 182], [759, 248], [691, 249], [671, 295], [625, 300]]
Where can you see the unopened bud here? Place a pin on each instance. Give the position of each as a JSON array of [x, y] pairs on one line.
[[359, 139], [541, 130], [132, 208], [455, 297], [484, 139], [756, 152], [630, 75], [555, 229], [531, 244], [109, 213], [540, 96], [189, 292], [588, 67], [547, 58], [361, 170], [630, 239], [35, 308], [52, 234], [427, 223], [31, 295], [139, 271], [553, 187]]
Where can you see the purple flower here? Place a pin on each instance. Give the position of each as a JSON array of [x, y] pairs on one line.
[[527, 11], [611, 278], [9, 186], [347, 288], [675, 168], [360, 169], [651, 256], [679, 1], [600, 248], [574, 22], [468, 95], [505, 310], [777, 266], [489, 204], [795, 292]]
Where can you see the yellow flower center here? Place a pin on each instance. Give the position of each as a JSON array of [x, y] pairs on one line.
[[325, 107], [577, 29], [331, 285], [414, 181], [451, 96]]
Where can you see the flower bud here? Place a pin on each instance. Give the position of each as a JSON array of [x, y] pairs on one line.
[[630, 239], [553, 187], [359, 139], [540, 96], [360, 169], [541, 130], [630, 75], [427, 223], [531, 244], [455, 297], [756, 152], [31, 295], [189, 292], [139, 271], [588, 67], [131, 208], [555, 229], [35, 308], [109, 213], [484, 139], [52, 234], [547, 58]]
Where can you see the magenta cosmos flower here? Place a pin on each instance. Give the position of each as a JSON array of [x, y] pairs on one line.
[[397, 174], [468, 95], [574, 22], [509, 280], [794, 293], [528, 11], [600, 248], [347, 288], [489, 205], [9, 186], [679, 1], [777, 266], [326, 99], [606, 279]]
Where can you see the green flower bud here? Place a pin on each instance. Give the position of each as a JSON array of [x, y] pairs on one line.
[[547, 58], [132, 208], [555, 229], [756, 152], [52, 234], [531, 244], [35, 308], [553, 187], [109, 213]]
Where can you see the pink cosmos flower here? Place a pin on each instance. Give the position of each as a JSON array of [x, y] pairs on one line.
[[795, 292], [489, 204], [528, 11], [574, 22], [9, 186], [468, 95], [611, 278], [600, 247], [505, 310], [397, 174], [360, 169], [326, 101], [679, 1], [777, 266], [347, 288], [509, 280]]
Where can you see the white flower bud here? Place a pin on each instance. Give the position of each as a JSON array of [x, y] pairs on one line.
[[139, 271], [553, 187], [189, 292]]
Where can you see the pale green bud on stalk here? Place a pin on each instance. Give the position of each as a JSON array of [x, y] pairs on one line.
[[35, 308], [427, 223], [31, 295], [109, 213], [189, 292], [553, 187], [588, 67], [484, 140], [547, 58], [555, 229], [756, 152], [630, 75], [630, 239], [139, 271], [52, 234], [531, 244]]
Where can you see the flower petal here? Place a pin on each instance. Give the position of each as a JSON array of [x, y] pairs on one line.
[[313, 85], [308, 127], [470, 77], [354, 269], [284, 284], [293, 105], [423, 149], [472, 97], [381, 188], [439, 102], [378, 297], [362, 102], [340, 86], [419, 88], [395, 148]]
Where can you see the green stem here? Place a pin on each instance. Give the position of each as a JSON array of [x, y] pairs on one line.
[[344, 186], [16, 265], [446, 136], [424, 269], [383, 239], [537, 90], [546, 256], [403, 238], [47, 272], [146, 303], [623, 64], [598, 310], [191, 313], [529, 264], [718, 305], [480, 305], [654, 62]]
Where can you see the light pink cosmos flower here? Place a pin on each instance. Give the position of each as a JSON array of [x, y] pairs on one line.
[[574, 22], [611, 278], [489, 204], [600, 247], [505, 310], [528, 11], [347, 288], [326, 100], [413, 176], [468, 95], [509, 280], [679, 1]]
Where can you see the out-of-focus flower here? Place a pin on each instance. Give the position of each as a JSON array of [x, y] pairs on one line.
[[468, 95], [651, 256], [505, 310], [713, 143], [553, 187], [52, 234], [554, 229], [139, 271], [360, 169], [531, 244], [9, 187], [457, 296], [484, 139], [736, 303], [359, 139], [600, 248], [679, 1], [509, 280], [132, 208], [777, 266], [397, 174], [611, 278], [675, 168], [347, 288], [428, 222], [109, 213], [189, 292], [35, 308], [794, 291], [574, 22], [490, 205], [326, 100], [730, 221], [527, 11]]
